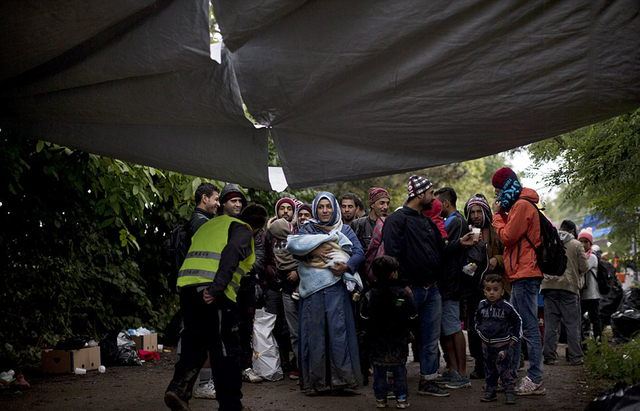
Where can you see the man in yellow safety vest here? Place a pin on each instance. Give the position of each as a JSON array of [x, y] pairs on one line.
[[221, 252]]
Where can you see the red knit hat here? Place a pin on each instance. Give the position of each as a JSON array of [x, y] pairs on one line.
[[376, 193], [501, 176]]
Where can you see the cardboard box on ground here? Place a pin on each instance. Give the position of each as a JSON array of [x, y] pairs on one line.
[[147, 342], [62, 361]]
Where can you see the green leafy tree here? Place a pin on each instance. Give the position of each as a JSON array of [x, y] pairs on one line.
[[467, 178], [81, 244], [598, 166]]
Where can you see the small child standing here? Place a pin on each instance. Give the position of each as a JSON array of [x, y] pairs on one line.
[[499, 326], [388, 310]]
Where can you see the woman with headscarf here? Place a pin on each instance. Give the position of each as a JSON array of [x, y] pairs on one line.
[[327, 344]]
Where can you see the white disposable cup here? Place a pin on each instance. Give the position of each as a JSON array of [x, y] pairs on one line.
[[102, 369], [476, 233], [160, 347], [81, 371]]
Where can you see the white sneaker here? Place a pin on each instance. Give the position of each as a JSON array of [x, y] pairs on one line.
[[528, 387], [249, 375], [205, 391]]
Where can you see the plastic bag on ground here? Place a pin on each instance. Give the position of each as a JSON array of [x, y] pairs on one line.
[[619, 398], [625, 324], [117, 348], [610, 302], [266, 357]]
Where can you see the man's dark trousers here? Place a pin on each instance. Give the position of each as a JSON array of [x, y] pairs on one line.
[[212, 328]]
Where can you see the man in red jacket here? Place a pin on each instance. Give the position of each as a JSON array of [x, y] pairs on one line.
[[513, 221]]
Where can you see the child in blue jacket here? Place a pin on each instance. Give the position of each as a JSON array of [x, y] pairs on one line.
[[499, 326]]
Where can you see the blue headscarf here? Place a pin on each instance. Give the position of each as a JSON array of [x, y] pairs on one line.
[[336, 217]]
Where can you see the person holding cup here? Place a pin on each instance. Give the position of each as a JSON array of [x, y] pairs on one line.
[[478, 213]]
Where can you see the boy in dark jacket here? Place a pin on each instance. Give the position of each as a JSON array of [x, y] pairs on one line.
[[499, 326], [388, 310]]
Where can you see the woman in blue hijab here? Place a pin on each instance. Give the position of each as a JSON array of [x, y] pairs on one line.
[[328, 347]]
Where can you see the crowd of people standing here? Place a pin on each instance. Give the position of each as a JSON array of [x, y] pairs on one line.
[[352, 288]]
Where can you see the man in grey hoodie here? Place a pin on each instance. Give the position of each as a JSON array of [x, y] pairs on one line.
[[562, 300]]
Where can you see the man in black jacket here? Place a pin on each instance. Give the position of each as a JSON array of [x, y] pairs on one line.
[[207, 203], [416, 242]]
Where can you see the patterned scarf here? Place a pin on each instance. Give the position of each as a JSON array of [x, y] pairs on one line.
[[510, 192]]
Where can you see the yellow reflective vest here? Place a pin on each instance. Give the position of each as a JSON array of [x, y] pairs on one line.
[[203, 259]]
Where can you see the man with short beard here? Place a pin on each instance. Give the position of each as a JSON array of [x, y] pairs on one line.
[[417, 244], [478, 214], [349, 207], [379, 199], [279, 285]]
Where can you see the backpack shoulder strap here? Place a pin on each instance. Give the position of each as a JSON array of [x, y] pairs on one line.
[[539, 216]]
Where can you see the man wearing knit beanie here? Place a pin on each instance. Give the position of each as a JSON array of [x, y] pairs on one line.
[[516, 221], [379, 199], [285, 208], [415, 241]]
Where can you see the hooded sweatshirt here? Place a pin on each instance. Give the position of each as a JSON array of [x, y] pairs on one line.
[[280, 229], [519, 257], [573, 277]]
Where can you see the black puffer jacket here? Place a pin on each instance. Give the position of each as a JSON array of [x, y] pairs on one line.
[[416, 242]]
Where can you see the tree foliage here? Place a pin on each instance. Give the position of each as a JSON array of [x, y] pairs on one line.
[[599, 167], [467, 178], [81, 244]]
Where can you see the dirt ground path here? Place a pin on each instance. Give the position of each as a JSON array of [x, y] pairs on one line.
[[142, 388]]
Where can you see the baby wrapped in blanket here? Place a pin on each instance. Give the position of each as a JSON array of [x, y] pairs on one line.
[[315, 273]]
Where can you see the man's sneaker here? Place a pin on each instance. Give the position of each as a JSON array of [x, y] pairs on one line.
[[549, 361], [381, 403], [444, 378], [174, 402], [458, 381], [489, 396], [294, 375], [511, 398], [205, 391], [528, 387], [249, 375], [402, 403], [426, 387]]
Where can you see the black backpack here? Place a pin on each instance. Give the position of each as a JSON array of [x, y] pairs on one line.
[[606, 273], [174, 252], [551, 255]]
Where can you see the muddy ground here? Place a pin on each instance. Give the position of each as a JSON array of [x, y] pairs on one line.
[[141, 388]]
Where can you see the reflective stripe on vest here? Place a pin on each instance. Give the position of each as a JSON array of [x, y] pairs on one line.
[[202, 260]]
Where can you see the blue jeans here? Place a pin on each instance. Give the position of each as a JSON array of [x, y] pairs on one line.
[[524, 298], [380, 385], [429, 304]]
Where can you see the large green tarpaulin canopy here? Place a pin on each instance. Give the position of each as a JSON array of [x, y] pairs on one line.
[[348, 90]]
